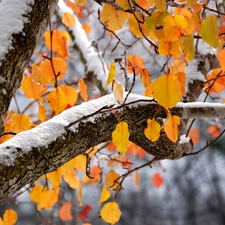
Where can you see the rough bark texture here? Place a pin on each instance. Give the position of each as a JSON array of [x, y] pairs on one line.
[[29, 167], [12, 66]]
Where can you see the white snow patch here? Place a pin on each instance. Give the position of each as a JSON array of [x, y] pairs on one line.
[[12, 21], [94, 63], [184, 139]]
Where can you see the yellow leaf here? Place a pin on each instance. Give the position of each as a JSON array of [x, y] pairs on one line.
[[48, 75], [79, 196], [112, 18], [161, 5], [118, 91], [41, 110], [112, 73], [68, 19], [166, 90], [152, 132], [10, 217], [189, 48], [120, 137], [65, 211], [104, 195], [58, 41], [110, 178], [83, 89], [173, 26], [134, 26], [20, 122], [80, 162], [110, 212], [80, 2], [57, 100], [171, 127], [210, 24], [55, 178], [190, 3]]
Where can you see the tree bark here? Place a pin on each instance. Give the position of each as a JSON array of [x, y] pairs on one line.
[[19, 54], [22, 161]]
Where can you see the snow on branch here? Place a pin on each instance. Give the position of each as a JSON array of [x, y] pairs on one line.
[[35, 152], [94, 62]]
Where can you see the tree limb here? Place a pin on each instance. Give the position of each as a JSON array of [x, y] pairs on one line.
[[32, 153]]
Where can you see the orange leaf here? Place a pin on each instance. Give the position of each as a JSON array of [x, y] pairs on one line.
[[71, 94], [87, 28], [44, 198], [58, 41], [110, 178], [214, 131], [83, 89], [167, 47], [181, 77], [120, 137], [135, 63], [72, 180], [57, 100], [96, 173], [171, 127], [41, 110], [79, 196], [65, 211], [166, 90], [112, 18], [221, 57], [137, 180], [31, 88], [161, 5], [80, 162], [48, 75], [104, 195], [10, 217], [145, 77], [68, 19], [194, 135], [118, 91], [157, 180], [152, 132], [110, 212], [20, 122]]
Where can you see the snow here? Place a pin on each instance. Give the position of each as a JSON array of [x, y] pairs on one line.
[[184, 139], [94, 63], [12, 21], [49, 131]]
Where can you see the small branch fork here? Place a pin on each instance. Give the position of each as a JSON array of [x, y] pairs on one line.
[[122, 178]]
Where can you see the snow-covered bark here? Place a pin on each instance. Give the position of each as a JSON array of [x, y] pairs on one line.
[[30, 154], [22, 24], [51, 144]]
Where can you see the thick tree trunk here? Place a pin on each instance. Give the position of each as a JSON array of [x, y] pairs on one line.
[[19, 54]]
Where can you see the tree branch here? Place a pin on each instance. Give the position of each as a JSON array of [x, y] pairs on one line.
[[32, 153]]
